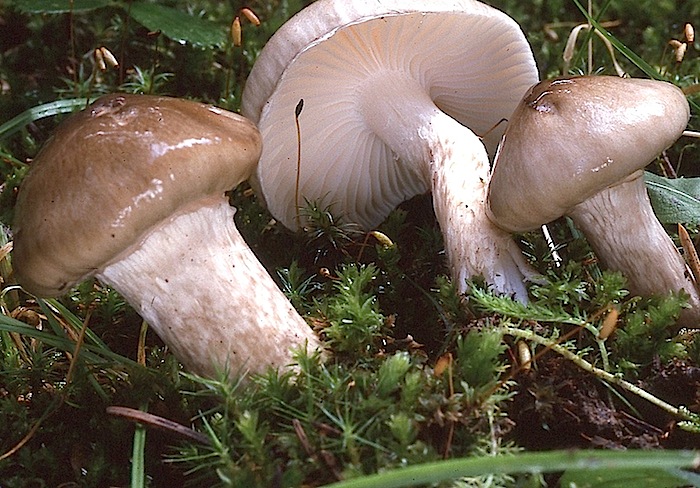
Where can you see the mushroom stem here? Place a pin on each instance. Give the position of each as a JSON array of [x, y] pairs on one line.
[[628, 238], [208, 297], [474, 245], [455, 167]]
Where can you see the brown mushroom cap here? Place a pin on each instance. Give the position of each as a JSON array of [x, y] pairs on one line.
[[571, 138], [110, 199]]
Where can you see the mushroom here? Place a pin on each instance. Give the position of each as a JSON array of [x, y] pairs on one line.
[[131, 190], [578, 147], [393, 93]]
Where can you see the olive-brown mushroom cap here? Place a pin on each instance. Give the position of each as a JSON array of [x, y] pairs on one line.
[[108, 200], [570, 138]]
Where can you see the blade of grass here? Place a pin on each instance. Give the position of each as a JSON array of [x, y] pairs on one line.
[[90, 352], [588, 37], [649, 70], [633, 57], [53, 305], [138, 457], [692, 479], [537, 462], [59, 6], [33, 114]]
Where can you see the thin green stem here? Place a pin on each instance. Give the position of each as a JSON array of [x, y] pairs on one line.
[[138, 457], [538, 462]]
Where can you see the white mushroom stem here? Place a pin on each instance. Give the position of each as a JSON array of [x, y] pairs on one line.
[[454, 163], [620, 225], [204, 292]]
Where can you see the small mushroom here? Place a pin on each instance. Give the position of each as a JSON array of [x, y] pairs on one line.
[[131, 190], [393, 93], [578, 147]]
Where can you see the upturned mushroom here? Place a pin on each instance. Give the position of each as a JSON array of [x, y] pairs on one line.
[[131, 190], [578, 147], [393, 93]]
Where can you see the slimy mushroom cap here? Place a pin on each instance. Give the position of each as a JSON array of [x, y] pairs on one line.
[[115, 188], [570, 138]]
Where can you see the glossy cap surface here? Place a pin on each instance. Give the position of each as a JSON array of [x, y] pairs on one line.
[[571, 138], [111, 173]]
